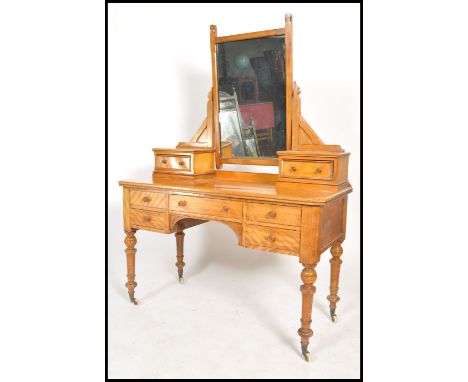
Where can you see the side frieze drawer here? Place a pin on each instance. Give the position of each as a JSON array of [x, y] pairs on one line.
[[149, 219], [146, 199]]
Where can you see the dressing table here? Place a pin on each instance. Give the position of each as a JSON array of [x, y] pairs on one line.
[[300, 212]]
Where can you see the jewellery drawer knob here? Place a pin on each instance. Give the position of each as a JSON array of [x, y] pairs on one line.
[[146, 219], [164, 161], [147, 199], [182, 203], [292, 169], [225, 208], [270, 238], [181, 163], [318, 170], [272, 214]]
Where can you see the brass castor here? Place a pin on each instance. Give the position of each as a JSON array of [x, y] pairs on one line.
[[333, 316], [133, 300], [136, 302], [306, 353], [181, 280]]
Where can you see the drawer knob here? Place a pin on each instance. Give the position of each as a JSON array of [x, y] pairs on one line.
[[318, 170], [292, 169], [147, 199], [225, 208], [164, 161], [182, 203], [146, 219], [181, 163], [270, 238], [271, 214]]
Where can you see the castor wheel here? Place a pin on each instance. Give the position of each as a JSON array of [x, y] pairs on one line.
[[181, 280], [133, 300], [333, 315], [136, 301], [306, 353]]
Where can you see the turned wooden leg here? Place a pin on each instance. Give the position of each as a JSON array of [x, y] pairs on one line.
[[180, 254], [335, 261], [130, 242], [308, 277]]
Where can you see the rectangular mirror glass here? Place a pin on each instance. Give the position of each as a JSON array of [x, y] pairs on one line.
[[252, 97]]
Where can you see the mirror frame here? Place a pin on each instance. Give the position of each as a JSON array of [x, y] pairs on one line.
[[214, 39]]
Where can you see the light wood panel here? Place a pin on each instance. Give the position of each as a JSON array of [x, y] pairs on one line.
[[226, 151], [126, 208], [203, 163], [310, 231], [289, 77], [237, 176], [264, 189], [333, 224], [250, 35], [214, 97], [265, 161], [296, 114]]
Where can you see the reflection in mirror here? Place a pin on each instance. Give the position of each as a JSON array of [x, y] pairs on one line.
[[252, 97]]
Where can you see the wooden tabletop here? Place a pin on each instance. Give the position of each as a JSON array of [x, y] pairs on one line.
[[248, 186]]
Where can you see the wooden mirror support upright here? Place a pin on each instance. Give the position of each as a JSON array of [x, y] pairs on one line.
[[300, 212]]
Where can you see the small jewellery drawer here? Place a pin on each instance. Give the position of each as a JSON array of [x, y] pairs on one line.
[[273, 213], [149, 219], [309, 170], [272, 237], [206, 206], [175, 162], [142, 199]]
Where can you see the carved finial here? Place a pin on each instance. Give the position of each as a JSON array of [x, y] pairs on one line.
[[288, 18], [213, 28]]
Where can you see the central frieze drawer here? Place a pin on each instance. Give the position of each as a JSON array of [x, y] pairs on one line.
[[206, 206], [273, 213], [272, 237]]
